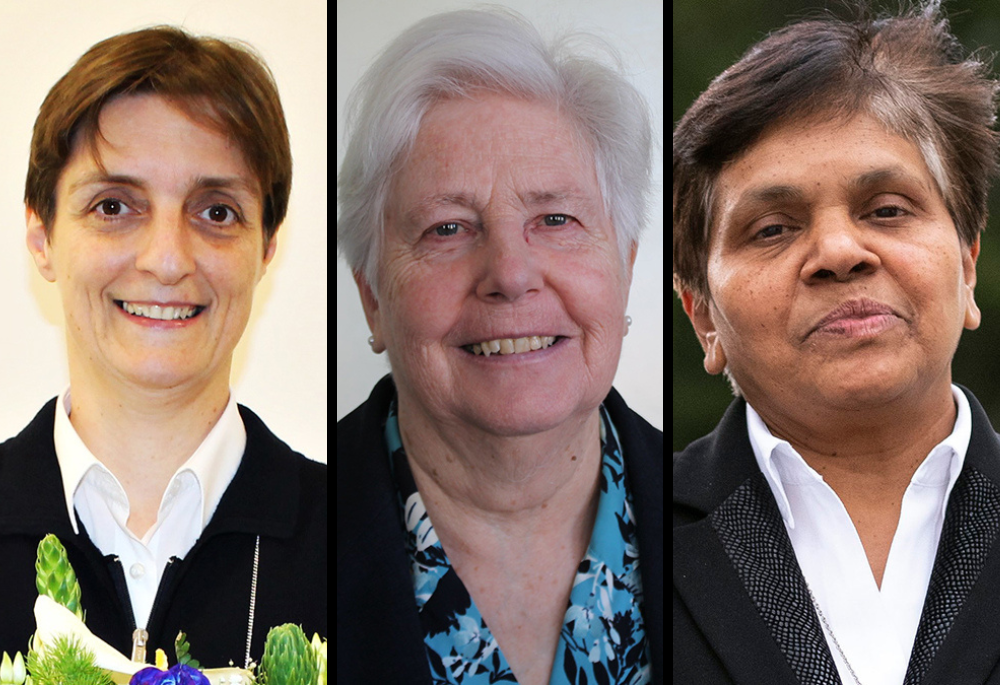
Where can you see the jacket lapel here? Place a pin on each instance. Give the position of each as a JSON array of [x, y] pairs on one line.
[[736, 574], [961, 595], [970, 529], [753, 535], [736, 571]]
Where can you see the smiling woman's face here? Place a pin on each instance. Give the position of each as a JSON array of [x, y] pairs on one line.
[[813, 217], [497, 230], [157, 261]]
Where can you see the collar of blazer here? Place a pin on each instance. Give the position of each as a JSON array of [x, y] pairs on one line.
[[737, 582]]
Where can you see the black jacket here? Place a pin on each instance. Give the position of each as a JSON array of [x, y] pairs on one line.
[[742, 613], [276, 493], [379, 638]]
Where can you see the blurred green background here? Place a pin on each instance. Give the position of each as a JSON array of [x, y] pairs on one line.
[[710, 36]]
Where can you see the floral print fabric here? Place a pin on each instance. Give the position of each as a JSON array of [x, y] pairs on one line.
[[602, 640]]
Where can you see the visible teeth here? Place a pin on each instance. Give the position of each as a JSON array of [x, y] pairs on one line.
[[155, 311], [512, 346]]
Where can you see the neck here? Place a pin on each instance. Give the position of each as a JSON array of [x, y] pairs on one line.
[[873, 453], [143, 435], [483, 489]]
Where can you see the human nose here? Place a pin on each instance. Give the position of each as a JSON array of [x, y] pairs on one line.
[[166, 249], [840, 250], [509, 266]]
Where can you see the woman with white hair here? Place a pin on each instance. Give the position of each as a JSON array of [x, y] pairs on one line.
[[499, 506]]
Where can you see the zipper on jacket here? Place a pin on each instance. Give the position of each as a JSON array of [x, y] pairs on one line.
[[118, 578], [166, 582]]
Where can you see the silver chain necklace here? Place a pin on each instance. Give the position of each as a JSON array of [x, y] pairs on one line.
[[253, 599], [836, 644], [140, 636]]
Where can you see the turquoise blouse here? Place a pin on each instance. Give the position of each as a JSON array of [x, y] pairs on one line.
[[602, 640]]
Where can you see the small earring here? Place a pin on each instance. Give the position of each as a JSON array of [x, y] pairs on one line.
[[371, 342], [628, 323]]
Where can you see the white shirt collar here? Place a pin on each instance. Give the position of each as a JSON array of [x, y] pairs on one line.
[[781, 463], [213, 464]]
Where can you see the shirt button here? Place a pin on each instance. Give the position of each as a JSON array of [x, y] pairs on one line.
[[137, 571]]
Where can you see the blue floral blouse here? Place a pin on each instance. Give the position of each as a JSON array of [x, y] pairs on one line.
[[603, 638]]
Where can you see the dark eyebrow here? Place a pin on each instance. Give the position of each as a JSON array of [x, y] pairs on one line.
[[771, 195], [200, 183], [789, 194], [879, 176]]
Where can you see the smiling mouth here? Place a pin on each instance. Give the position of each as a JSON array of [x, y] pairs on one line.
[[513, 346], [160, 313]]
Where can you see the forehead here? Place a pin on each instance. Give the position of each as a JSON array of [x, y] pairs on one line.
[[820, 157], [474, 144], [147, 136]]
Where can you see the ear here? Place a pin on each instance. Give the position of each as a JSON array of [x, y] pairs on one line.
[[272, 247], [39, 245], [972, 314], [372, 310], [698, 310]]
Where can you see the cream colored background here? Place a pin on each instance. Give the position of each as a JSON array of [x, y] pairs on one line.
[[279, 369], [635, 28]]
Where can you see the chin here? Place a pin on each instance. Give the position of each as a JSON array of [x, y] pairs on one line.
[[161, 376], [858, 391], [515, 424], [527, 416]]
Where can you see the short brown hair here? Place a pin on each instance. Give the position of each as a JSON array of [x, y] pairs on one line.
[[220, 84], [908, 71]]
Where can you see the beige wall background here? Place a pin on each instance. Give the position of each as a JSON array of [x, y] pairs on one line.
[[279, 368]]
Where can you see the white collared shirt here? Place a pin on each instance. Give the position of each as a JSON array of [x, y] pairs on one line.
[[875, 628], [188, 504]]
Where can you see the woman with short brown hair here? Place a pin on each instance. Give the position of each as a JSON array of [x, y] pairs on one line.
[[158, 177]]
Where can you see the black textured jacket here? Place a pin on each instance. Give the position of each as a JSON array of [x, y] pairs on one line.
[[276, 493], [742, 612], [379, 638]]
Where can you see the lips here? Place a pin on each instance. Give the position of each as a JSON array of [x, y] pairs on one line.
[[486, 337], [160, 314], [856, 309]]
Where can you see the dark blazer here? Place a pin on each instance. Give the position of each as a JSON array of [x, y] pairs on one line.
[[379, 638], [276, 493], [742, 613]]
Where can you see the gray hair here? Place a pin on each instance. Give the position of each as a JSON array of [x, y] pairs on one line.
[[456, 54]]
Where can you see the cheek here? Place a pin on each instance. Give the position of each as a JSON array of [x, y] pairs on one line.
[[417, 307], [231, 272], [932, 281], [748, 305], [84, 273]]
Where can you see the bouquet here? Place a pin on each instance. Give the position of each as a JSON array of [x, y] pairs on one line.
[[63, 650]]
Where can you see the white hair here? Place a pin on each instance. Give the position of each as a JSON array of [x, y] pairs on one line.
[[456, 54]]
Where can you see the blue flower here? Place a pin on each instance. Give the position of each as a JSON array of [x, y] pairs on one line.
[[180, 674]]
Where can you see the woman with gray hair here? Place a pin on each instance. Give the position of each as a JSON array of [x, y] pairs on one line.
[[841, 522], [499, 506]]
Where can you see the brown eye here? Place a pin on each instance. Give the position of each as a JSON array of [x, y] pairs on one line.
[[772, 231], [221, 214], [888, 212], [110, 209], [556, 219]]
